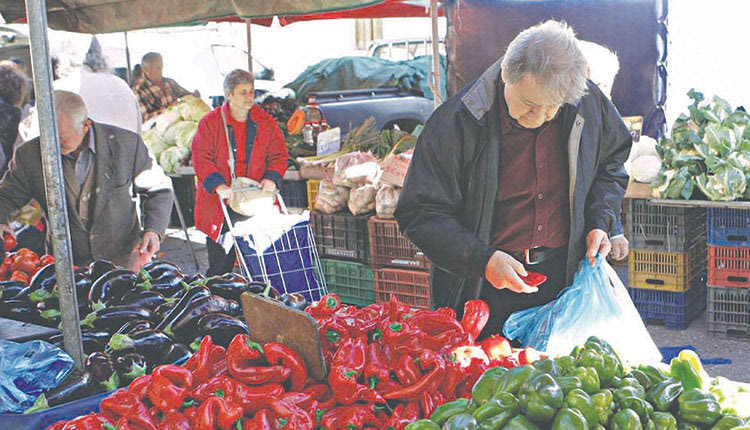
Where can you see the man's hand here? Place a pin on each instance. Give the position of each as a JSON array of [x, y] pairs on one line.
[[5, 229], [597, 242], [268, 185], [224, 191], [149, 243], [504, 271], [620, 247]]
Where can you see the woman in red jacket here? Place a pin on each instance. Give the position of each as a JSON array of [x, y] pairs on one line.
[[259, 153]]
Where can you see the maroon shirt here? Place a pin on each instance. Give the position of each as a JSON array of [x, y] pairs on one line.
[[531, 208]]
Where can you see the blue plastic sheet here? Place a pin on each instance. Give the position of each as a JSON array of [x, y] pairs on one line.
[[43, 419], [27, 370], [595, 304]]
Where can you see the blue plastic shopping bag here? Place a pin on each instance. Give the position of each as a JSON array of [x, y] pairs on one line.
[[595, 304], [27, 370]]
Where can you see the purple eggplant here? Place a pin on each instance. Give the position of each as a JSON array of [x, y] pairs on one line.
[[294, 300], [230, 286], [93, 341], [134, 325], [221, 327], [102, 370], [145, 299], [197, 279], [161, 312], [77, 385], [130, 366], [112, 318], [9, 289], [152, 344], [194, 294], [178, 354], [186, 325], [157, 267], [111, 287], [100, 267]]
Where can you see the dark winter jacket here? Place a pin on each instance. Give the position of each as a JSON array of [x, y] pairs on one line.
[[447, 203]]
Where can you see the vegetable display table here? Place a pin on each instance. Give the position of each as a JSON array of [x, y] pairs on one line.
[[18, 331]]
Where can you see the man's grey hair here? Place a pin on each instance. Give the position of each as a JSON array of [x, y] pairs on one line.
[[95, 60], [149, 58], [71, 106], [236, 77], [551, 53]]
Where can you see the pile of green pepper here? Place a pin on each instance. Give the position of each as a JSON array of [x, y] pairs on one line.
[[588, 389]]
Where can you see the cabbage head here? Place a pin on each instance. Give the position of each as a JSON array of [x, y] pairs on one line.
[[173, 158], [192, 108], [181, 134], [154, 142]]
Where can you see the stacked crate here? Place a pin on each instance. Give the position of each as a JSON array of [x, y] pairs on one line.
[[343, 244], [399, 267], [729, 273], [294, 193], [667, 262]]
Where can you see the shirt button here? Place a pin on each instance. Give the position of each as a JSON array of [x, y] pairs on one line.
[[539, 227], [540, 196]]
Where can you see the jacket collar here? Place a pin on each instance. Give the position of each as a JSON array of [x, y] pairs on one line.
[[104, 140]]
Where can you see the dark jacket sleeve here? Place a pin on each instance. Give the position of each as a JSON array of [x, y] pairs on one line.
[[15, 187], [432, 196], [604, 200], [155, 187]]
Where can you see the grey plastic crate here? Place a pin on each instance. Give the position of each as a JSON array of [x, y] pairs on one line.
[[664, 228], [728, 313]]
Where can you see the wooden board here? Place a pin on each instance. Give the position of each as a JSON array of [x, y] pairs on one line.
[[638, 190], [315, 172], [271, 321], [18, 331]]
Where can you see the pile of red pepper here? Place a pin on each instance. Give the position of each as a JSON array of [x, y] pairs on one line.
[[389, 365]]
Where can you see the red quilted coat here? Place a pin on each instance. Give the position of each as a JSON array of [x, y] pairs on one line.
[[210, 157]]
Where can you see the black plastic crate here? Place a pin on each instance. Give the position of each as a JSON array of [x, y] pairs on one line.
[[664, 228], [729, 227], [294, 193], [674, 310], [728, 314], [342, 235]]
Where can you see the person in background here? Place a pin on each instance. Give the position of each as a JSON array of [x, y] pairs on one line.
[[602, 69], [522, 170], [13, 91], [108, 98], [155, 92], [102, 164], [259, 152]]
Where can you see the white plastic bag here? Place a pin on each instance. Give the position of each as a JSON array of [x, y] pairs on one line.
[[343, 177], [331, 198], [596, 304], [362, 199], [385, 201]]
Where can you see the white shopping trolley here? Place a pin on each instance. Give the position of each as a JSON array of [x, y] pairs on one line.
[[280, 254]]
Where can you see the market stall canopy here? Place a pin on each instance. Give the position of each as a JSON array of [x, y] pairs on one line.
[[104, 16]]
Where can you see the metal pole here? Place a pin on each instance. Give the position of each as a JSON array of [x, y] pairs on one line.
[[127, 60], [178, 206], [249, 47], [436, 74], [57, 212]]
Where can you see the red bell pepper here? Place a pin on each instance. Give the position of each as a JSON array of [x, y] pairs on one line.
[[454, 377], [427, 403], [448, 312], [397, 333], [278, 353], [435, 365], [534, 279], [59, 425], [496, 347], [263, 420], [217, 411], [174, 421], [376, 369], [352, 416], [139, 386], [123, 403], [352, 354], [290, 416], [333, 332], [250, 398], [406, 370], [397, 309], [403, 414], [166, 396], [244, 363], [319, 392], [86, 422], [476, 315], [434, 322], [326, 306], [207, 362]]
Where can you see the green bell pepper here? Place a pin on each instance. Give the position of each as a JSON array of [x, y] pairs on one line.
[[728, 422], [629, 391], [599, 427], [447, 410], [499, 370], [497, 422], [665, 421], [688, 426], [612, 364], [640, 406], [513, 379], [569, 419], [547, 365], [664, 394], [641, 377], [520, 422], [604, 405], [484, 388], [422, 425], [565, 364], [687, 368], [699, 407], [626, 419], [655, 375], [501, 402], [460, 422], [581, 401], [599, 345], [568, 383], [589, 379], [540, 398], [650, 425]]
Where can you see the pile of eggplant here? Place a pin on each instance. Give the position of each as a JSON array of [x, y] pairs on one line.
[[132, 322]]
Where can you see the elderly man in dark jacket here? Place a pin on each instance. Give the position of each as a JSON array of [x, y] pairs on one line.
[[521, 170], [101, 165]]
